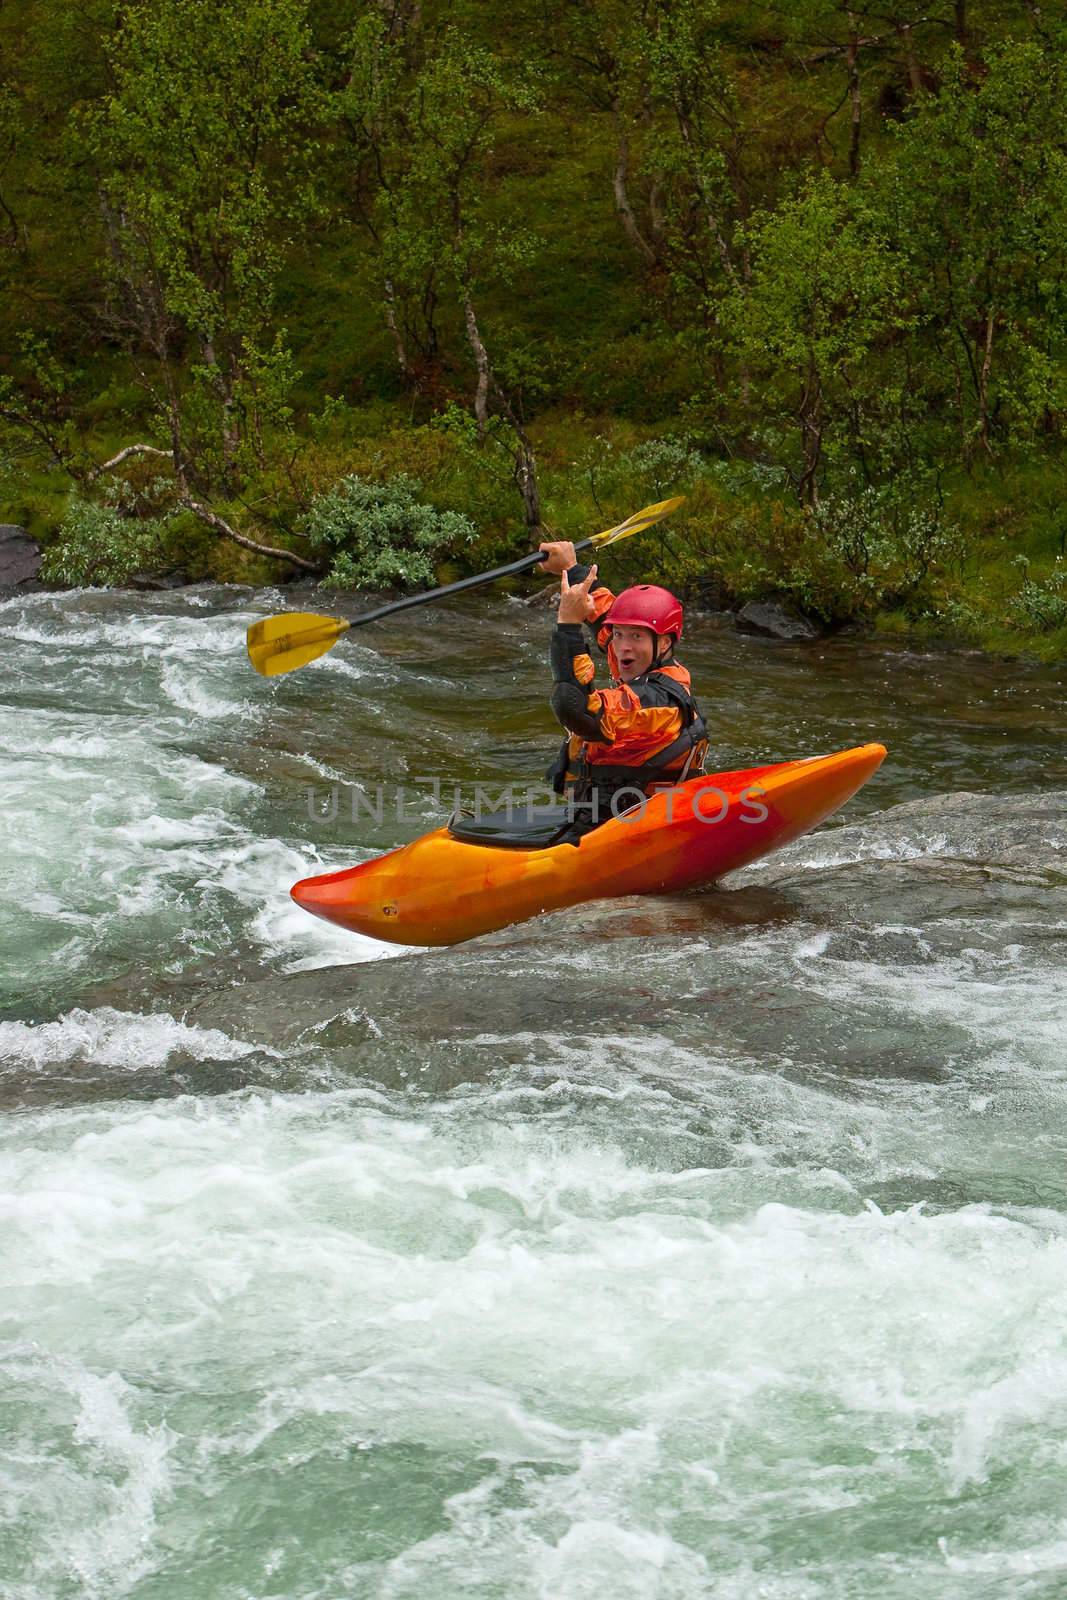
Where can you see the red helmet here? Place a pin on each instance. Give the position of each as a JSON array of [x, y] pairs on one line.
[[646, 606]]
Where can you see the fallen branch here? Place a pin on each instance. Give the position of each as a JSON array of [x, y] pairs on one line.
[[124, 455], [220, 525], [541, 597]]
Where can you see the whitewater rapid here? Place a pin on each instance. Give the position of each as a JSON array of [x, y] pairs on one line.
[[714, 1246]]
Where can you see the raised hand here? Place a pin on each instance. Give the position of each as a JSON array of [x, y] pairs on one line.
[[576, 604]]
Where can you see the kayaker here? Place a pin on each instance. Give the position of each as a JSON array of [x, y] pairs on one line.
[[645, 731]]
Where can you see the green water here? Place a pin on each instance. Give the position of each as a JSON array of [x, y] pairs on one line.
[[710, 1246]]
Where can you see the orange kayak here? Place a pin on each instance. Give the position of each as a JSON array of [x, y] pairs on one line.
[[442, 890]]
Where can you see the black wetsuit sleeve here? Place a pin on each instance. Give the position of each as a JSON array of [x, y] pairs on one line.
[[568, 643], [569, 697]]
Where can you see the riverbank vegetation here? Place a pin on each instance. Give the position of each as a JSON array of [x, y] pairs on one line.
[[372, 290]]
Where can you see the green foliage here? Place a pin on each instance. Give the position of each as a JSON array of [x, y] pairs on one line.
[[651, 470], [976, 191], [427, 141], [799, 262], [1041, 605], [859, 552], [889, 541], [423, 142], [35, 403], [823, 299], [205, 153], [99, 545], [695, 150], [381, 535]]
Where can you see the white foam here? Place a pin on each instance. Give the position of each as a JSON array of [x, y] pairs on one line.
[[1050, 1558], [259, 876], [108, 1038], [823, 851], [185, 687], [106, 1486], [410, 1284]]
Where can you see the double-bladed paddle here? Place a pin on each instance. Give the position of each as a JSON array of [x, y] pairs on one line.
[[293, 638]]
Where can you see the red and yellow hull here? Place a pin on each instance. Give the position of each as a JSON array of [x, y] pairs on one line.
[[438, 890]]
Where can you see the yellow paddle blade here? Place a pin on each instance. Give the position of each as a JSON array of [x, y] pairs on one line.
[[638, 522], [290, 640]]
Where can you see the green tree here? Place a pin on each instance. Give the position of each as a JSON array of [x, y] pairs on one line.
[[977, 197], [205, 153], [424, 140], [823, 302], [698, 145], [596, 51], [680, 179]]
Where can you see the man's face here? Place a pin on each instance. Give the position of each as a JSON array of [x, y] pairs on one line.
[[635, 649]]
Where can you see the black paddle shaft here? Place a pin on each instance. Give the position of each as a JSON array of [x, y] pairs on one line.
[[524, 564]]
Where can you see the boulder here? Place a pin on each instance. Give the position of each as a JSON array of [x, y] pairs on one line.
[[774, 620], [20, 556]]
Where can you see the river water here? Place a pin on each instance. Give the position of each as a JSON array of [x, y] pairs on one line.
[[708, 1246]]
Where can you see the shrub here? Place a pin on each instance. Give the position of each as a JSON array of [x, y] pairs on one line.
[[1041, 606], [381, 535], [860, 551], [652, 470], [99, 545], [887, 541]]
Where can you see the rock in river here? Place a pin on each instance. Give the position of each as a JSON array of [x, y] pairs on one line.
[[775, 621], [20, 556]]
